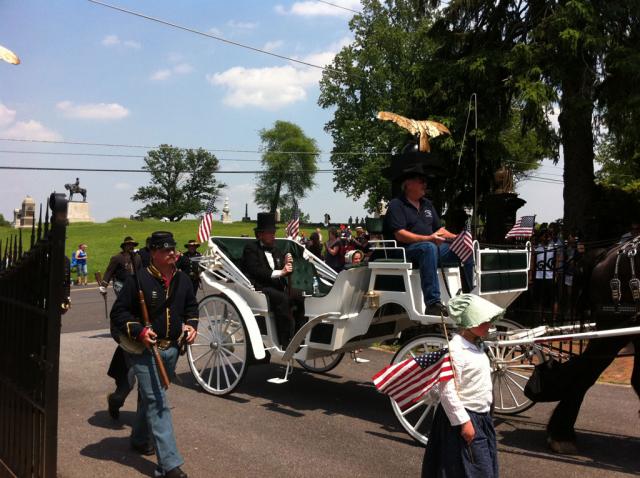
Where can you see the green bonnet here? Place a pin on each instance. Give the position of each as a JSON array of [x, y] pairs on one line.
[[469, 310]]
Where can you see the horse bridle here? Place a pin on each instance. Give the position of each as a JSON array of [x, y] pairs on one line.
[[630, 249]]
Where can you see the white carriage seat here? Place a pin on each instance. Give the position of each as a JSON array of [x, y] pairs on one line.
[[346, 297]]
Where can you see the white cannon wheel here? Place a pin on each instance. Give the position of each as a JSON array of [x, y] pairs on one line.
[[218, 356], [511, 367], [417, 419], [322, 364]]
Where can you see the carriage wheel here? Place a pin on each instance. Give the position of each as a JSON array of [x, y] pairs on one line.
[[417, 419], [322, 364], [511, 368], [218, 356]]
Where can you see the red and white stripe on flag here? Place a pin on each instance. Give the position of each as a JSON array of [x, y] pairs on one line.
[[409, 381], [462, 245], [293, 227], [522, 228], [204, 230]]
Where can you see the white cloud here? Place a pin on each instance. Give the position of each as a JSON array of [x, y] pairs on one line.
[[31, 130], [272, 87], [242, 25], [100, 111], [114, 40], [161, 75], [273, 45], [7, 116], [122, 186], [553, 117], [166, 73], [316, 9]]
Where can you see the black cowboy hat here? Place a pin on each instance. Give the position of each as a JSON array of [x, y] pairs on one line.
[[128, 240], [411, 163], [161, 240], [266, 222], [192, 242]]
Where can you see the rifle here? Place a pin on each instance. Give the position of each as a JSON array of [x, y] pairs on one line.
[[153, 348], [98, 277]]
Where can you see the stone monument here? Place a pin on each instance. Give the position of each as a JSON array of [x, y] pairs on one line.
[[78, 211], [246, 217], [25, 216], [226, 217]]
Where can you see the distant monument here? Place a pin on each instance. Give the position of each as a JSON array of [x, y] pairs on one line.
[[25, 216], [246, 217], [78, 211], [226, 217]]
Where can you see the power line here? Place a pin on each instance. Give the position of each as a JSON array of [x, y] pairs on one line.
[[109, 170], [214, 37], [338, 6], [211, 150]]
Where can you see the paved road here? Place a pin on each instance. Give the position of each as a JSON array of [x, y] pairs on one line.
[[333, 425]]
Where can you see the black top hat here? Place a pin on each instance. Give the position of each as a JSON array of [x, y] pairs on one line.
[[266, 222], [161, 240], [128, 240], [192, 242]]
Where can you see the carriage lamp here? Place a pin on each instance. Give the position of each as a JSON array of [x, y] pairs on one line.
[[372, 299]]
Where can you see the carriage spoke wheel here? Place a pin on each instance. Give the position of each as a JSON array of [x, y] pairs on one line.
[[511, 368], [418, 418], [218, 356], [322, 364]]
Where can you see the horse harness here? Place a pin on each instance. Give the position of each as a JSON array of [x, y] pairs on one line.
[[630, 249]]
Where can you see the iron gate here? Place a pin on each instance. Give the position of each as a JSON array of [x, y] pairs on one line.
[[31, 294]]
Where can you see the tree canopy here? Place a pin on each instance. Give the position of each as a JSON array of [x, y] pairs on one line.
[[424, 59], [289, 160], [182, 182]]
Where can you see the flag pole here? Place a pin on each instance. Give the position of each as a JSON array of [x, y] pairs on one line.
[[446, 337], [474, 96]]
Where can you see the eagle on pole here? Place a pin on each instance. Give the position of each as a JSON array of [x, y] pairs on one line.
[[424, 129]]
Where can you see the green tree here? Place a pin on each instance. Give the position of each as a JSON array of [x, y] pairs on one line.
[[3, 221], [182, 182], [523, 58], [289, 160]]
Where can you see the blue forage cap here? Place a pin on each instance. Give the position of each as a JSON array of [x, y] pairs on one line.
[[469, 310]]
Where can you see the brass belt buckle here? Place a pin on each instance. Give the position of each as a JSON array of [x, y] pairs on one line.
[[164, 344]]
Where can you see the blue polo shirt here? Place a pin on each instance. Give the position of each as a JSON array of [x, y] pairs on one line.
[[401, 214]]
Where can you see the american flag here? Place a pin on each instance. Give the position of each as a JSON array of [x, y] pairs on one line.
[[462, 245], [522, 228], [409, 381], [204, 230], [293, 226]]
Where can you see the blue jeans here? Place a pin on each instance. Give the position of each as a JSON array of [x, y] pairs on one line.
[[153, 416], [427, 255], [82, 269]]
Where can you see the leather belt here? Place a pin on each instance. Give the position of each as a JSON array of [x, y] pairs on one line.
[[164, 344]]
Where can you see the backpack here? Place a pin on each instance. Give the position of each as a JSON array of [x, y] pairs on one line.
[[74, 261]]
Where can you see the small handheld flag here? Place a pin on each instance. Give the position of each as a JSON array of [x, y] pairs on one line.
[[204, 230], [407, 382], [523, 228], [293, 226], [462, 245]]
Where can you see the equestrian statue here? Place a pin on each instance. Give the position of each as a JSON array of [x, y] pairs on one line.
[[74, 188]]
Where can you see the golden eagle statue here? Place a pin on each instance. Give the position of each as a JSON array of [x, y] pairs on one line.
[[423, 129]]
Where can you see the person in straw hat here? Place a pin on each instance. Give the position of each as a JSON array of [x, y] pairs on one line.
[[462, 442]]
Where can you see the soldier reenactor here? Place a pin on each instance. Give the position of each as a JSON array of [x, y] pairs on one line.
[[164, 319], [189, 267]]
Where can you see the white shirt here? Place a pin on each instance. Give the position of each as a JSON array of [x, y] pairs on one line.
[[473, 375], [269, 256]]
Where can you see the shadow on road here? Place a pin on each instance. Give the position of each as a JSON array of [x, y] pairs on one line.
[[605, 451], [117, 450]]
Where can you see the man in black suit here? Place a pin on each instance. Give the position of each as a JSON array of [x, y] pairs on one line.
[[267, 268]]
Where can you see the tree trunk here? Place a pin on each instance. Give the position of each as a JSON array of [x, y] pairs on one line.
[[276, 198], [576, 131]]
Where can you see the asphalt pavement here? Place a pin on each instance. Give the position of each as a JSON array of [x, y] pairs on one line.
[[331, 425]]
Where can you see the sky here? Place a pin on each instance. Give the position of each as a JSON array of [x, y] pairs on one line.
[[90, 74]]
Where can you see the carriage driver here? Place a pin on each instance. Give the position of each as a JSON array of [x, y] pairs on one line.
[[412, 220], [267, 267]]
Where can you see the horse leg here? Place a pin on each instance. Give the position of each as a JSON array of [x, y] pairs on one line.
[[635, 375], [594, 360]]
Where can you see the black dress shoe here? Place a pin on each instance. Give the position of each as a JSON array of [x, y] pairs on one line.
[[114, 404], [436, 309], [175, 473], [144, 449]]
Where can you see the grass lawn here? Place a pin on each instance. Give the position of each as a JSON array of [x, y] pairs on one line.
[[103, 239]]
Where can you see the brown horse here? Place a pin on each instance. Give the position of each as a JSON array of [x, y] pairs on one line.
[[598, 268]]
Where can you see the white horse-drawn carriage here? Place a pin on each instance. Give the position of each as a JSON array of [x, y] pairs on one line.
[[379, 301]]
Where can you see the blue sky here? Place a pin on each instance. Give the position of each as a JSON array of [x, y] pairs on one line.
[[91, 74]]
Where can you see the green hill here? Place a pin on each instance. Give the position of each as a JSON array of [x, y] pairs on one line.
[[103, 239]]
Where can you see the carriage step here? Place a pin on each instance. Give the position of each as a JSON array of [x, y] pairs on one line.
[[280, 381], [356, 359]]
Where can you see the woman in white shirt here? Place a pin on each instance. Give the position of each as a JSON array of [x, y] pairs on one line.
[[462, 442]]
